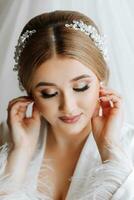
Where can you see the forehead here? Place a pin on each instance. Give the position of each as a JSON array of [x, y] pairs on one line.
[[60, 69]]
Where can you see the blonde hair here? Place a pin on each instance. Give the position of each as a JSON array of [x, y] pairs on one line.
[[52, 38]]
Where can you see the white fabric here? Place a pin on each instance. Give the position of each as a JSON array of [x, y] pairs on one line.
[[114, 18], [92, 179]]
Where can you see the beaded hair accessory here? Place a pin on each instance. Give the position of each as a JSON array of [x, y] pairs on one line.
[[99, 41], [20, 46]]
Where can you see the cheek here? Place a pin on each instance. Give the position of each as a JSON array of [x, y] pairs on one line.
[[40, 104], [45, 108], [90, 101]]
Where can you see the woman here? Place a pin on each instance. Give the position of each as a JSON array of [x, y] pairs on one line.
[[75, 144]]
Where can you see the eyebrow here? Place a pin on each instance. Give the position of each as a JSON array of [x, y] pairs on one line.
[[52, 84]]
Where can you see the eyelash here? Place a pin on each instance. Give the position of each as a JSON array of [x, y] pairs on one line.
[[45, 95]]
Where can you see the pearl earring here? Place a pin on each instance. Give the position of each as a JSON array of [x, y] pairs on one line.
[[101, 83]]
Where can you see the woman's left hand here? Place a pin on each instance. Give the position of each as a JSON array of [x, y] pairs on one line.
[[107, 127]]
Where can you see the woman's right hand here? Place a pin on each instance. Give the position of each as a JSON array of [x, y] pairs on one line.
[[24, 130]]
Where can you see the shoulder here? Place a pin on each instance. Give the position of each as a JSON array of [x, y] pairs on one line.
[[4, 133]]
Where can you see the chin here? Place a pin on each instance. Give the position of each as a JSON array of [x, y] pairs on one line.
[[72, 128]]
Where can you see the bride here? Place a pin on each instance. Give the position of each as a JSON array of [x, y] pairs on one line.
[[75, 145]]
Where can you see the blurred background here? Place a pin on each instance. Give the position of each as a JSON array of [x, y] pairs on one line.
[[114, 18]]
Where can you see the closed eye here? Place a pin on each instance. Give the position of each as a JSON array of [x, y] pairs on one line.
[[46, 95], [81, 89]]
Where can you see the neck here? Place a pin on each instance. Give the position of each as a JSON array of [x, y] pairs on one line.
[[65, 141]]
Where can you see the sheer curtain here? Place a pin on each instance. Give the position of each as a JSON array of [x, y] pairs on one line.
[[113, 17]]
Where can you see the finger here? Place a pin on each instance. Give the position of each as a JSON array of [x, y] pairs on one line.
[[110, 92], [106, 103], [22, 112], [25, 98], [20, 97], [17, 100], [113, 100], [18, 110], [116, 101]]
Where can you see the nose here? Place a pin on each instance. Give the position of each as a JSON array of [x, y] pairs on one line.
[[68, 104]]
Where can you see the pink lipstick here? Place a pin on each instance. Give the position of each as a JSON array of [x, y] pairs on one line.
[[70, 120]]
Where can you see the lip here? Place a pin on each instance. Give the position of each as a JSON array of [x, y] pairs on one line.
[[72, 119]]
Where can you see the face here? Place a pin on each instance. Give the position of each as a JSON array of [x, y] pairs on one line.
[[65, 87]]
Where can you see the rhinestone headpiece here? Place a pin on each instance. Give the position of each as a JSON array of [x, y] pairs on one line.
[[20, 46], [99, 41]]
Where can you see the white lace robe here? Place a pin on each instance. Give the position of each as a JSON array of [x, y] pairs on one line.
[[92, 179]]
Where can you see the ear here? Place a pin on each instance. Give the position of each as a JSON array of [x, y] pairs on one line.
[[30, 95]]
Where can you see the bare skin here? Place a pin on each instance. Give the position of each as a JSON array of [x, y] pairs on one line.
[[66, 139], [64, 163], [64, 166]]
